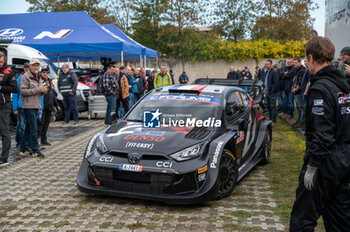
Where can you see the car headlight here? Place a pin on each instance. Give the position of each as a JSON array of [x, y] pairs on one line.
[[101, 147], [188, 153]]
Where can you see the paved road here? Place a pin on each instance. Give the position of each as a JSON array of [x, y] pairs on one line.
[[41, 195]]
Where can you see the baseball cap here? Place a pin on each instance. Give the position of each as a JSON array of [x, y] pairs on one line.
[[345, 51], [34, 61], [26, 64], [46, 69]]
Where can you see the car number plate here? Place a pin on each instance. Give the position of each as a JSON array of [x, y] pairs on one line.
[[131, 167]]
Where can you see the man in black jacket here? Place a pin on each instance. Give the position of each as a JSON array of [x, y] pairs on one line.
[[271, 79], [233, 75], [296, 89], [288, 81], [8, 85], [67, 84], [324, 181], [50, 102]]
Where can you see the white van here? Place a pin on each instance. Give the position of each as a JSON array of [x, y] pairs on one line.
[[17, 55]]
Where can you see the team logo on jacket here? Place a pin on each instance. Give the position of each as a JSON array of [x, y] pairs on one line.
[[343, 98]]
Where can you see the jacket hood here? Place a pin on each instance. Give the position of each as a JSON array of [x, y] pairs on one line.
[[333, 75]]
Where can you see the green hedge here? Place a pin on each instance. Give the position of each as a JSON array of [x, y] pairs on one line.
[[214, 49]]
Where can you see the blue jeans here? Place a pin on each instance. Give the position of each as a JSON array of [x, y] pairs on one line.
[[271, 106], [282, 101], [70, 102], [30, 133], [20, 127], [111, 105], [290, 103], [131, 100], [304, 101]]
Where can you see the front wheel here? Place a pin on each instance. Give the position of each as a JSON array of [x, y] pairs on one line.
[[266, 147], [228, 174]]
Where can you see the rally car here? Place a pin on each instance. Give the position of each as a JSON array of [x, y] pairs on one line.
[[180, 144]]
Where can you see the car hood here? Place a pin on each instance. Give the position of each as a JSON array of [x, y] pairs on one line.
[[131, 136]]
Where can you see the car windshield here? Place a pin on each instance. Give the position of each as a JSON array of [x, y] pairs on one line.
[[179, 107], [52, 67]]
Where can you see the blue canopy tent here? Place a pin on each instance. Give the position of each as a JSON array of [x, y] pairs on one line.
[[70, 35]]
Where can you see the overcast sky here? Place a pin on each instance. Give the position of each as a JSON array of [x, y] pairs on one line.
[[21, 6]]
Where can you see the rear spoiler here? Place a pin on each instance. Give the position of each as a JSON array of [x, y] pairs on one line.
[[255, 88]]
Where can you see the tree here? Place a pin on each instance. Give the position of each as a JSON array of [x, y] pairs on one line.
[[92, 7], [284, 20], [148, 23], [122, 11], [234, 18]]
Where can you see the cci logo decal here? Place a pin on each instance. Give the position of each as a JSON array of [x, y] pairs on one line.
[[11, 32], [164, 164], [106, 159], [59, 34], [151, 119]]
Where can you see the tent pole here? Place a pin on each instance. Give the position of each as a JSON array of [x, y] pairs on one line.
[[58, 59], [122, 58], [144, 61], [140, 60]]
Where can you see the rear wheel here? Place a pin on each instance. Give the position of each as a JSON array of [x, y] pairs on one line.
[[228, 174], [266, 147], [59, 111]]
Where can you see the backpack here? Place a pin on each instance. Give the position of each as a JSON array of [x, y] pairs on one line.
[[100, 89]]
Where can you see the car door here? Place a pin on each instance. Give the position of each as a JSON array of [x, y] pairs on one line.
[[237, 119], [249, 125]]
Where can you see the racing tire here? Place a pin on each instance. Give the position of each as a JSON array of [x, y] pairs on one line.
[[59, 111], [266, 147], [228, 174]]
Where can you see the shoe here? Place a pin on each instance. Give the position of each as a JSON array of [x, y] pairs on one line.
[[3, 163], [75, 123], [24, 153], [65, 123], [38, 154], [281, 114], [45, 143]]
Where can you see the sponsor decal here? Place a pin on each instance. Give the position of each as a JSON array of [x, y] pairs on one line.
[[88, 149], [164, 164], [202, 169], [201, 177], [12, 33], [345, 110], [144, 138], [151, 119], [203, 99], [139, 145], [131, 167], [107, 159], [239, 136], [58, 35], [139, 131], [318, 110], [318, 102], [216, 154]]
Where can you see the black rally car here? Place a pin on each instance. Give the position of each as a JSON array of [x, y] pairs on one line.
[[180, 144]]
